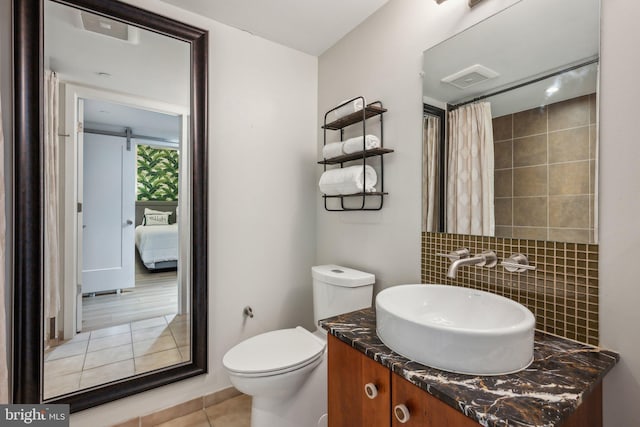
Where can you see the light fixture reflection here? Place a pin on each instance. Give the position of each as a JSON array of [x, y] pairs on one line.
[[551, 90]]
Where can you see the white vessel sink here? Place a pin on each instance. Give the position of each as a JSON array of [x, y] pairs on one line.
[[456, 329]]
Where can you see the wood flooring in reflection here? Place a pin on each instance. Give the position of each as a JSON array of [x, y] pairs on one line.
[[155, 295]]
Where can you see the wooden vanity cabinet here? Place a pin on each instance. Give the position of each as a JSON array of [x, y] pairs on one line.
[[349, 373], [352, 375], [352, 404], [424, 409], [428, 411]]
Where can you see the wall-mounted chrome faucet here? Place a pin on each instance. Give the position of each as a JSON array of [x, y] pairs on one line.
[[517, 263], [483, 259], [457, 254]]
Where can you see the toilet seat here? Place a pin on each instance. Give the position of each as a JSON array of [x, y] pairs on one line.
[[274, 353]]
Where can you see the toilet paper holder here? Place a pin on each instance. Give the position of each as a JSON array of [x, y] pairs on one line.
[[247, 312]]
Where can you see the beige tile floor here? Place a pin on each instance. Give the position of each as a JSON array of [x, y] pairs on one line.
[[109, 354], [235, 412]]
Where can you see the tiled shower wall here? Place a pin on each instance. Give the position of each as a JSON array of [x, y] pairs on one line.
[[545, 172], [562, 292]]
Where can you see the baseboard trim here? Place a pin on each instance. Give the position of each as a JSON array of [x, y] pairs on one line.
[[181, 409]]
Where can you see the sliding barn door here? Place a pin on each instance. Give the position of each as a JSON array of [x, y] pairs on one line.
[[108, 213]]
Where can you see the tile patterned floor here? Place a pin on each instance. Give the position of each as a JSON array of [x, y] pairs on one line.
[[108, 354], [235, 412]]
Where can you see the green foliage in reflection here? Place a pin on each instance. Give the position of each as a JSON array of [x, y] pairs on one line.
[[157, 174]]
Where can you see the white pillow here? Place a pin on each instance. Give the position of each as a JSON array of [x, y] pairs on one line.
[[153, 211], [158, 221]]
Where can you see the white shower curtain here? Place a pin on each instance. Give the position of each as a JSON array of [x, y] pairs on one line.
[[470, 171], [430, 142], [4, 376], [51, 232]]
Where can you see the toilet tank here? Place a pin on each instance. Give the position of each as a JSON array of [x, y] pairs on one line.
[[339, 290]]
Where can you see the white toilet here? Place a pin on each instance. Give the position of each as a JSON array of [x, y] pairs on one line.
[[285, 371]]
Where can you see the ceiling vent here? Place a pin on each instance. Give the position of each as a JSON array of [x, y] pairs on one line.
[[109, 27], [470, 76]]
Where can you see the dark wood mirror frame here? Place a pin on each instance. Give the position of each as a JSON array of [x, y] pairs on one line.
[[28, 198]]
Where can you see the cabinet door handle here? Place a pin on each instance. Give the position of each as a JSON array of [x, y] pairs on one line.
[[402, 413], [371, 390]]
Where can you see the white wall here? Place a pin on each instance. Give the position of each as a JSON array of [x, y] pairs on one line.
[[263, 108], [381, 59], [619, 209]]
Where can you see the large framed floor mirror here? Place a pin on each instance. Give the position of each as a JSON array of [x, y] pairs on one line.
[[110, 201]]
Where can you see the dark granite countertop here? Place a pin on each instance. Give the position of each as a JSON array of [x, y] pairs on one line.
[[545, 394]]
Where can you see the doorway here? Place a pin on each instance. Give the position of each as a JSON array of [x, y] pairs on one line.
[[106, 190], [128, 171]]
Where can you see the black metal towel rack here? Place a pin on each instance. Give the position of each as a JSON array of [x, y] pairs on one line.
[[368, 111]]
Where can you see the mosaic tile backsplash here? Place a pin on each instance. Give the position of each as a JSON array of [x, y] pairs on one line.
[[562, 292]]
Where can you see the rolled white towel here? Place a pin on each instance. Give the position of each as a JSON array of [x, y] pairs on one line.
[[354, 145], [332, 149], [351, 107], [349, 180]]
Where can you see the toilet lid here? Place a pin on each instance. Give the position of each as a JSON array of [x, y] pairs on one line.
[[274, 351]]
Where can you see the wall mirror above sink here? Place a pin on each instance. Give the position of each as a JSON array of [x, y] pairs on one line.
[[510, 129], [111, 174]]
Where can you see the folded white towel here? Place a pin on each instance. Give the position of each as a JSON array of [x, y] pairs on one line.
[[354, 145], [351, 107], [332, 149], [349, 180]]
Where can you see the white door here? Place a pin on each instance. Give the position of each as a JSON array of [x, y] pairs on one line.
[[108, 213]]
